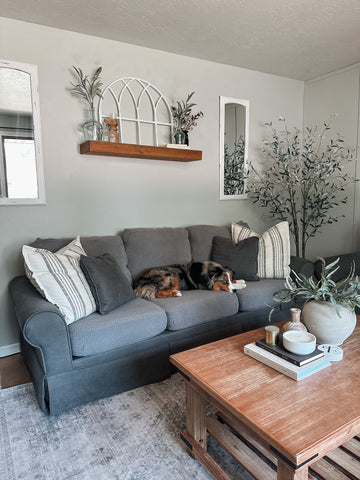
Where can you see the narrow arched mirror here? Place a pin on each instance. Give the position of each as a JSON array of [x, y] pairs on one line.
[[234, 146], [21, 167]]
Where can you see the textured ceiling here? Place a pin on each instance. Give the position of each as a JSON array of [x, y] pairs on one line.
[[295, 38]]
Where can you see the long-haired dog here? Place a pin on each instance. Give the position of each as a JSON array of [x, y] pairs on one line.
[[160, 282]]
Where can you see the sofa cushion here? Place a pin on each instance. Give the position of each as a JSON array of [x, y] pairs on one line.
[[155, 247], [241, 258], [107, 282], [130, 323], [201, 240], [59, 279], [258, 294], [345, 265], [301, 265], [197, 306], [93, 246], [274, 248]]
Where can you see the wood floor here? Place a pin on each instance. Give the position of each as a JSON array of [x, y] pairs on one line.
[[13, 371]]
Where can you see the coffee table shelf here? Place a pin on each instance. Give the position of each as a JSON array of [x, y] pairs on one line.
[[341, 464]]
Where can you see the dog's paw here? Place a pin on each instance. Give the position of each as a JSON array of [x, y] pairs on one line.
[[238, 285], [178, 293]]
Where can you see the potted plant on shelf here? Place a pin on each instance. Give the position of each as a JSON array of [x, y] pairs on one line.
[[329, 309], [184, 120], [89, 89]]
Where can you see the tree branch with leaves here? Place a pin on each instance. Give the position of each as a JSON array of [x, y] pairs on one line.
[[234, 163]]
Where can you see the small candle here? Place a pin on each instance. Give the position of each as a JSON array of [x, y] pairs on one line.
[[272, 335]]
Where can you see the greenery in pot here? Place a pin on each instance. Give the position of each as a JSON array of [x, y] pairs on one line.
[[345, 293], [87, 87], [184, 119], [303, 179]]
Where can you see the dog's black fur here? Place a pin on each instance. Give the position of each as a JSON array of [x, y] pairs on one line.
[[168, 281]]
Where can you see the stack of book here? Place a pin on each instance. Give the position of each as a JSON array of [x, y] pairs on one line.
[[294, 366]]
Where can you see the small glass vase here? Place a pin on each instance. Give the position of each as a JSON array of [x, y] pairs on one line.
[[92, 128], [179, 137]]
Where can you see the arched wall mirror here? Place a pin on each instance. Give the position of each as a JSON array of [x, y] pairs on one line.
[[21, 165], [234, 147]]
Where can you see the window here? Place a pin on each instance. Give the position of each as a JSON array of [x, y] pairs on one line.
[[19, 168]]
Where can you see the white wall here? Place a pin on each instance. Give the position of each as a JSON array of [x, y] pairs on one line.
[[337, 93], [103, 195]]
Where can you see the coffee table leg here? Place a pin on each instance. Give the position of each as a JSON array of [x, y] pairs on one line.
[[195, 416], [285, 472]]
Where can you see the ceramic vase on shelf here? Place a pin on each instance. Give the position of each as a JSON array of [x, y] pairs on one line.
[[322, 321], [294, 323], [92, 128]]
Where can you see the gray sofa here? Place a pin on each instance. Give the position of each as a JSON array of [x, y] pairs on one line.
[[101, 355]]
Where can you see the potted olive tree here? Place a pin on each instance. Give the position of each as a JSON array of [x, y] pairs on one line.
[[303, 179], [329, 309]]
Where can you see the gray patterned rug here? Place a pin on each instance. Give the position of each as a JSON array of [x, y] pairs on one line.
[[131, 436]]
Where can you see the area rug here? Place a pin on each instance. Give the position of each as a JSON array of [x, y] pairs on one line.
[[131, 436]]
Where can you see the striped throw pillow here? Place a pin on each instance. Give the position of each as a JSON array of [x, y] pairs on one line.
[[59, 279], [274, 249]]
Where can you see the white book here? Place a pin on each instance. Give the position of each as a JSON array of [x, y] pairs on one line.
[[283, 366], [177, 145]]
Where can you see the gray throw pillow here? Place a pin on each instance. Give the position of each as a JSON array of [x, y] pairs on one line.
[[107, 282], [241, 258]]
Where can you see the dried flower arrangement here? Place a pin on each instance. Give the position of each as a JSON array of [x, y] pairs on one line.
[[184, 119]]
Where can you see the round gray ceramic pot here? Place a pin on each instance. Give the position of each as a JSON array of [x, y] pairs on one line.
[[322, 321]]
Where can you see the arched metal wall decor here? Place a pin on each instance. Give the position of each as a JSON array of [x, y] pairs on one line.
[[136, 90]]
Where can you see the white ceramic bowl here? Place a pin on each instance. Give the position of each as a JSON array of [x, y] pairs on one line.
[[299, 342]]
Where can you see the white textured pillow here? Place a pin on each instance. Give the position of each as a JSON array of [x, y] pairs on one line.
[[58, 277], [274, 248]]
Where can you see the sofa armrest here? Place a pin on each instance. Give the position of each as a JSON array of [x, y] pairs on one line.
[[42, 326], [301, 265]]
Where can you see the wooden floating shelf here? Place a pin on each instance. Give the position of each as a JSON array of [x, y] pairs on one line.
[[139, 151]]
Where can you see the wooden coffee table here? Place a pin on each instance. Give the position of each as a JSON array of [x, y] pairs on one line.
[[274, 426]]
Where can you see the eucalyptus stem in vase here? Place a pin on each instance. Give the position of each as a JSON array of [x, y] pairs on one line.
[[89, 88]]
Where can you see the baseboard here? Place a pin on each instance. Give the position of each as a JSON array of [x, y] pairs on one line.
[[9, 349]]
